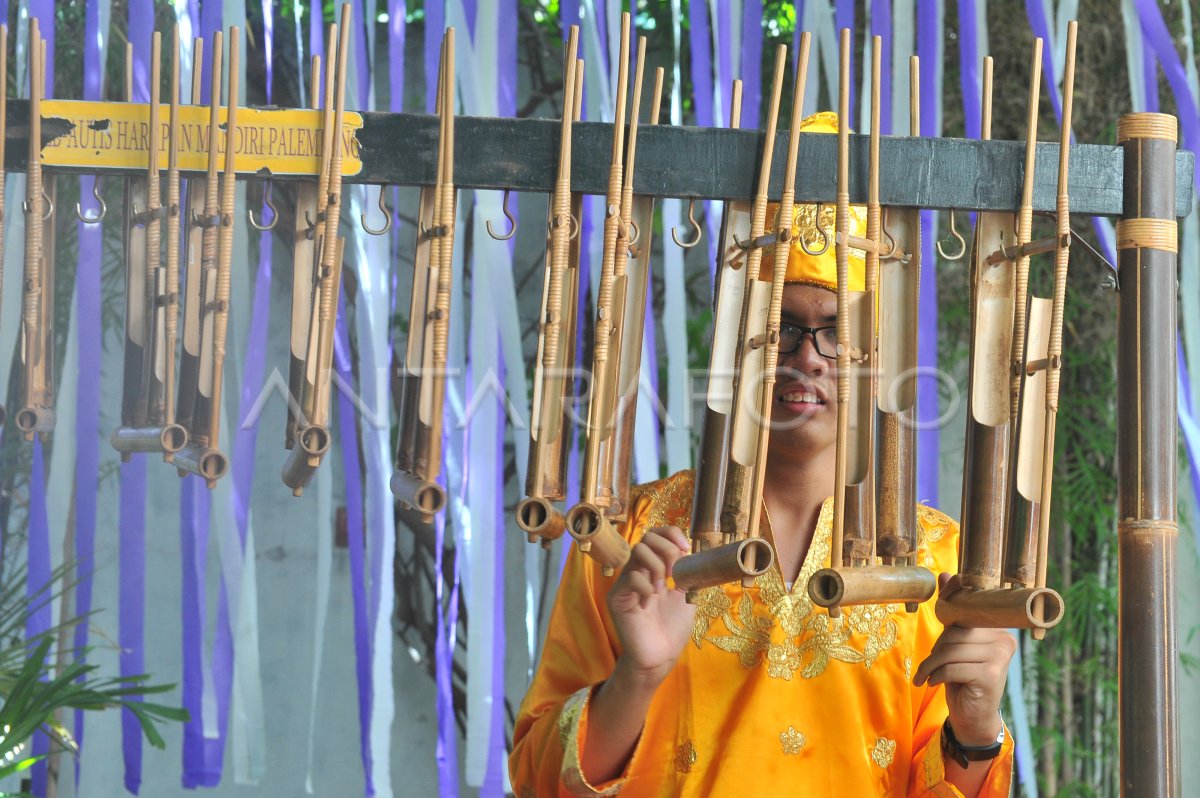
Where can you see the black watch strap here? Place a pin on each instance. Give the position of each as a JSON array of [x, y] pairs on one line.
[[964, 755]]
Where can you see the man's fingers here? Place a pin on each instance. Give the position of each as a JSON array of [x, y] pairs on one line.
[[667, 551], [673, 534], [645, 557]]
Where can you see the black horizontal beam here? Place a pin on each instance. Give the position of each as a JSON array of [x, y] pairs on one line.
[[717, 163]]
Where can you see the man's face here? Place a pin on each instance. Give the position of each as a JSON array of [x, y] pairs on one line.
[[804, 413]]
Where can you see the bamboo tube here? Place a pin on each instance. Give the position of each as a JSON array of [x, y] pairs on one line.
[[749, 558], [303, 268], [37, 413], [713, 457], [737, 510], [988, 436], [1013, 608], [604, 302], [618, 461], [1147, 457], [597, 536], [844, 587], [197, 191], [1054, 348], [314, 437]]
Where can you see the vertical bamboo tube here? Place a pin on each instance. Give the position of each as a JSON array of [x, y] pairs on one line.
[[1147, 526]]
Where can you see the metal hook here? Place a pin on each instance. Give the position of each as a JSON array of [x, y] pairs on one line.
[[48, 213], [962, 244], [820, 230], [695, 226], [262, 228], [100, 200], [508, 215], [387, 216], [634, 233]]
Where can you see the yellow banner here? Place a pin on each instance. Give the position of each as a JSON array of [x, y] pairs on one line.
[[108, 135]]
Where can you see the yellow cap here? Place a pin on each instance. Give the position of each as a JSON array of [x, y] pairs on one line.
[[821, 270]]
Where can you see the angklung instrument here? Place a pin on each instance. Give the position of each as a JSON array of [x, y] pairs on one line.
[[419, 448], [1016, 347]]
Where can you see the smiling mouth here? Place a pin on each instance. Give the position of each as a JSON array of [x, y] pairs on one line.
[[801, 398]]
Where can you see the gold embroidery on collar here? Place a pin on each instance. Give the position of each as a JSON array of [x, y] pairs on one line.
[[813, 639], [791, 741], [685, 757], [884, 752]]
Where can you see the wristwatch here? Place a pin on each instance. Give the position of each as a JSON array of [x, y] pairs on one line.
[[964, 755]]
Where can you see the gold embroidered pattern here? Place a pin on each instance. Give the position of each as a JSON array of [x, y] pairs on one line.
[[908, 668], [884, 752], [935, 766], [672, 500], [568, 733], [791, 741], [811, 638], [685, 757], [807, 639]]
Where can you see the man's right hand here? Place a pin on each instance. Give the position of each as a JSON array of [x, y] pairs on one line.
[[653, 621]]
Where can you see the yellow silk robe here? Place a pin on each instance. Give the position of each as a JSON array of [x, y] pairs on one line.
[[771, 697]]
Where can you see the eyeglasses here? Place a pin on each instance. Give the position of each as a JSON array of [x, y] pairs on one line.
[[824, 339]]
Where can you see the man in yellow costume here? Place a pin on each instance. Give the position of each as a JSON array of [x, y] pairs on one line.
[[754, 691]]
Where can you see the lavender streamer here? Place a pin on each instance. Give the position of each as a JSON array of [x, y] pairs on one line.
[[194, 505], [724, 41], [844, 18], [131, 605], [928, 439], [752, 46], [435, 21], [132, 592], [87, 415], [881, 25], [1159, 38], [38, 589], [352, 470], [700, 49], [968, 50]]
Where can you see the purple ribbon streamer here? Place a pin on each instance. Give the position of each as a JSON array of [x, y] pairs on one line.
[[725, 62], [752, 46], [194, 507], [87, 414], [928, 440], [1159, 38], [843, 17], [38, 589], [352, 470], [435, 21], [881, 25], [131, 602], [132, 592], [316, 40], [361, 59], [700, 49], [968, 52], [211, 21], [397, 13], [43, 10]]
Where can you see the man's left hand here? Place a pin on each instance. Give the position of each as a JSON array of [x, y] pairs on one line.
[[973, 664]]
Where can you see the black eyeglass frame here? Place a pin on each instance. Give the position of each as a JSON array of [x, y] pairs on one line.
[[809, 331]]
